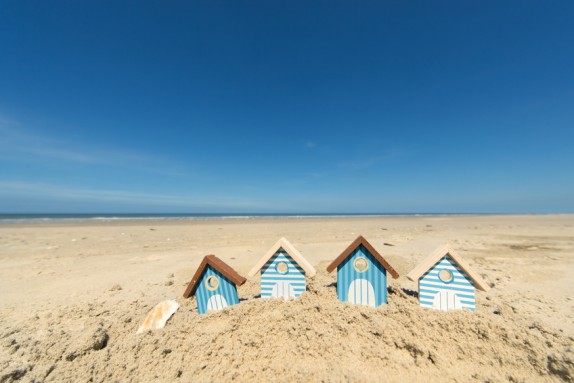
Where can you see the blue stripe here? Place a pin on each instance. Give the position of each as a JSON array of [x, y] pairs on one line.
[[290, 265], [271, 269], [375, 275], [445, 287], [431, 293], [457, 279], [460, 278], [447, 264], [270, 277], [431, 297], [298, 286], [431, 301], [294, 281], [426, 298], [438, 268], [279, 275], [433, 289], [286, 260], [273, 279], [454, 282], [270, 288], [282, 255], [226, 289]]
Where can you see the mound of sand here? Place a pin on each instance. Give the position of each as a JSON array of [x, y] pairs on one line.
[[314, 338]]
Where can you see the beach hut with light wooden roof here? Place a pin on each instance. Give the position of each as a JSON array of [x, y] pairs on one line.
[[446, 282], [362, 274], [214, 285], [284, 271]]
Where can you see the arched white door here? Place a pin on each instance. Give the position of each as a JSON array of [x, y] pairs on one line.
[[216, 302], [447, 300], [361, 292], [283, 289]]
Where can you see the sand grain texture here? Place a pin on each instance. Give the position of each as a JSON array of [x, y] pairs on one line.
[[68, 316]]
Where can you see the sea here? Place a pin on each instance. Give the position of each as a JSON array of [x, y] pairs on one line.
[[111, 217]]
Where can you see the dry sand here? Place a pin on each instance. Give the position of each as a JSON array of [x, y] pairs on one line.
[[73, 296]]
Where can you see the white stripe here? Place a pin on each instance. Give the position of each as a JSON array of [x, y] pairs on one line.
[[290, 266], [463, 301], [444, 267], [441, 286], [456, 278], [270, 290], [283, 276]]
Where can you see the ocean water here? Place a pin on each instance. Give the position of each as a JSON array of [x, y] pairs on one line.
[[110, 217]]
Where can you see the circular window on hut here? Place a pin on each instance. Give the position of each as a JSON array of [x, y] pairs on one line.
[[212, 283], [445, 276], [282, 268], [361, 265]]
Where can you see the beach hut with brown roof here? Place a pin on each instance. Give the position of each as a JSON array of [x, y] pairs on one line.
[[362, 274], [446, 281], [214, 285]]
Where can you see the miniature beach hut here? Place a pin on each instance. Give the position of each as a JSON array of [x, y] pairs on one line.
[[362, 274], [214, 285], [446, 281], [283, 271]]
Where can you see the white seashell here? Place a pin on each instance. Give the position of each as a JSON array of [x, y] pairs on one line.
[[158, 316]]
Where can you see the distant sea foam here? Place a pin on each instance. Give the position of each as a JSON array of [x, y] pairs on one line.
[[39, 218]]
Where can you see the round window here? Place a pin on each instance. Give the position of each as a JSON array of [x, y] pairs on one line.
[[212, 283], [445, 275], [361, 265], [282, 268]]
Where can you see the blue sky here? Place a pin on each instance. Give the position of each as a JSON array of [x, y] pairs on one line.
[[286, 106]]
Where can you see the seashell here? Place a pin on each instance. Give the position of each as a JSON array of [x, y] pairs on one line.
[[158, 316]]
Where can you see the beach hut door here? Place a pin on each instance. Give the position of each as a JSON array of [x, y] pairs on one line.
[[216, 302], [361, 292], [283, 289], [447, 300]]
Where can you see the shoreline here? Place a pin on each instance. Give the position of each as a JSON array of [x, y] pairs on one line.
[[102, 220]]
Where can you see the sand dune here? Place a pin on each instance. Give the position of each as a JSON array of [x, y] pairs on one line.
[[73, 296]]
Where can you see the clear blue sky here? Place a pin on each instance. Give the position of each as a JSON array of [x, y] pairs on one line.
[[286, 106]]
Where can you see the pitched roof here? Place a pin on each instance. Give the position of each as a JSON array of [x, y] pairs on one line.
[[356, 243], [292, 251], [218, 265], [436, 255]]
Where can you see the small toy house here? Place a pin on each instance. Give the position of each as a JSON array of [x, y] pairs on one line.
[[362, 274], [214, 285], [446, 281], [283, 271]]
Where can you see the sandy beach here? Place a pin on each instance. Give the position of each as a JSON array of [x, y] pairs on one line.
[[73, 295]]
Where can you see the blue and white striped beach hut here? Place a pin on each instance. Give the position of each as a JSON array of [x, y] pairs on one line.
[[214, 285], [446, 281], [362, 274], [284, 271]]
